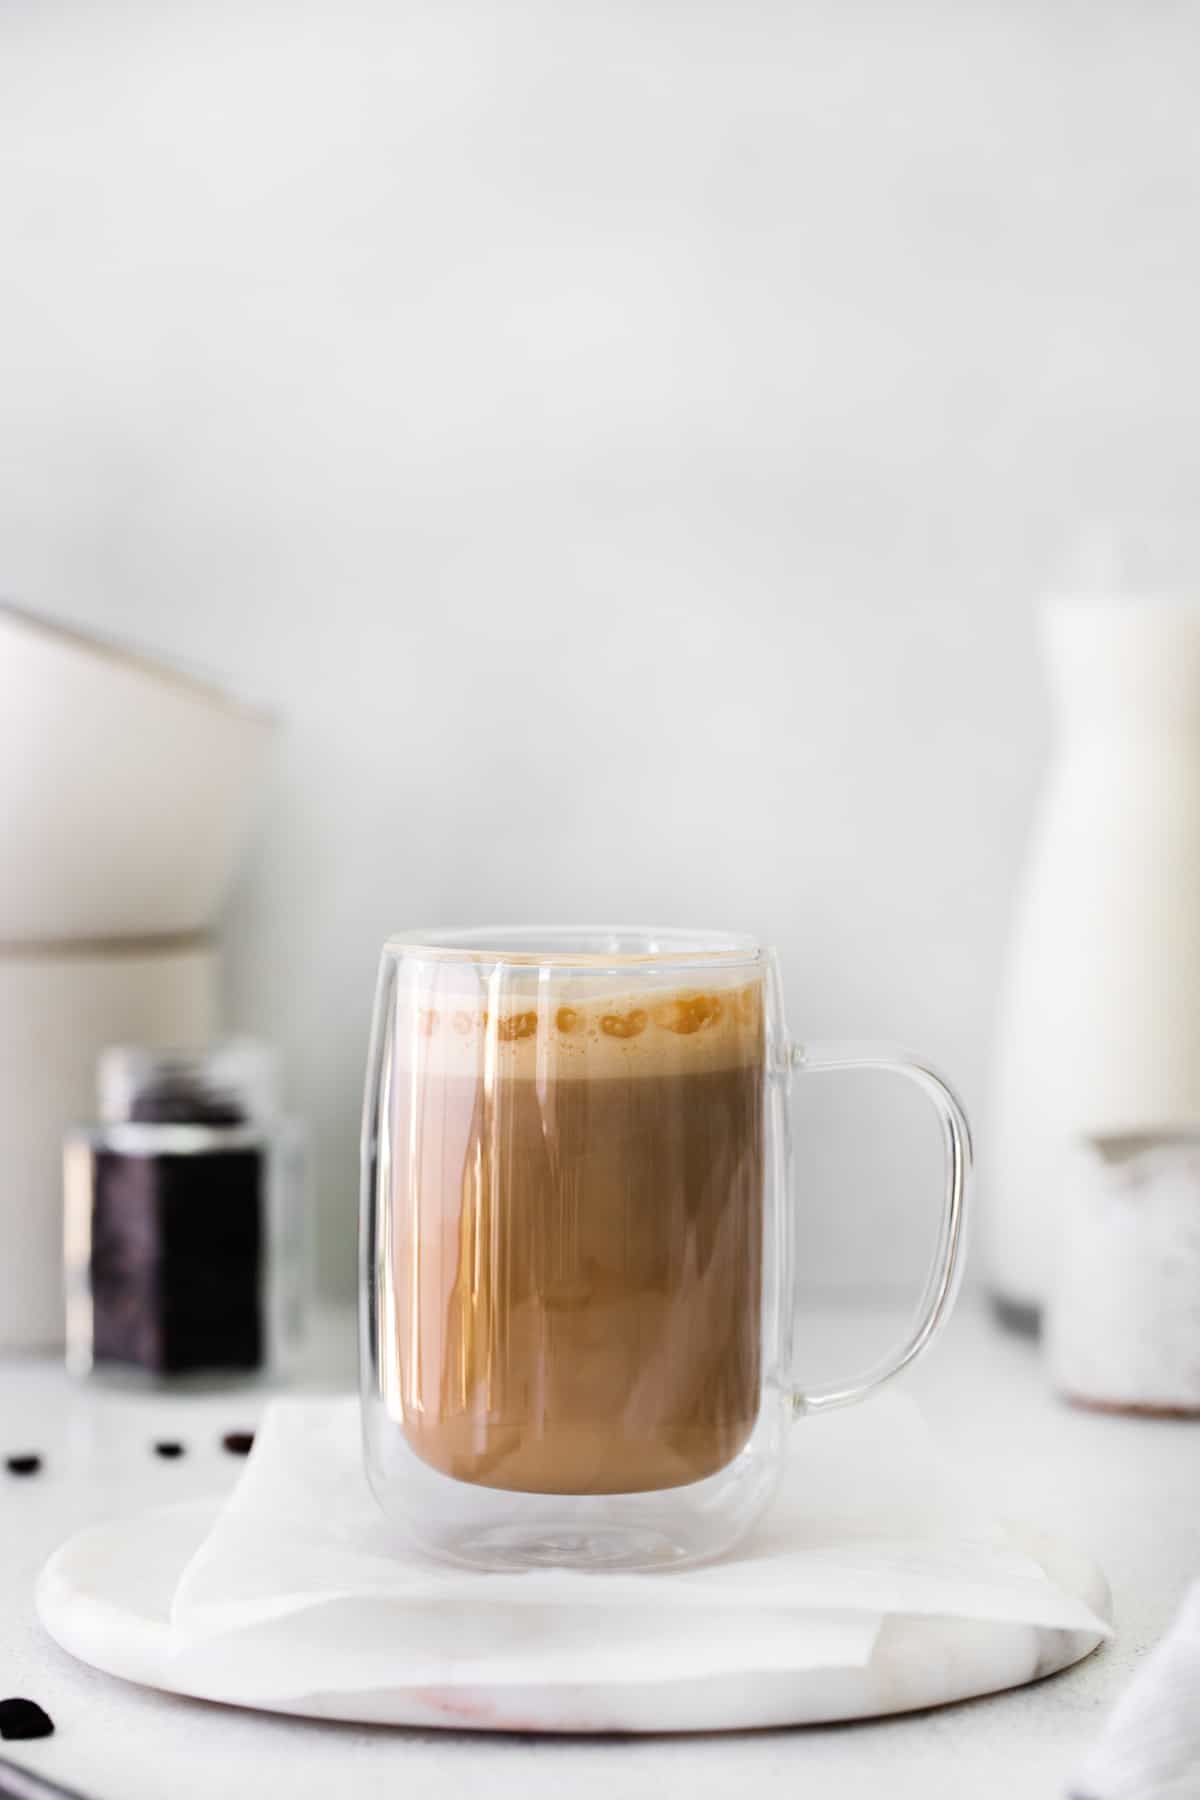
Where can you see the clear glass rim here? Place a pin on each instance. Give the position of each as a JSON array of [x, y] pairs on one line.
[[579, 946]]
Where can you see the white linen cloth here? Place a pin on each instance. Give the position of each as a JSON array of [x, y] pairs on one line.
[[1150, 1747], [302, 1586]]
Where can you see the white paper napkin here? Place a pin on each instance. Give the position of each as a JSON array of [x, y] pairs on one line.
[[302, 1585]]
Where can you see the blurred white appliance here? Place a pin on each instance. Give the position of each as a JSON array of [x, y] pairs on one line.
[[127, 793], [1099, 1031]]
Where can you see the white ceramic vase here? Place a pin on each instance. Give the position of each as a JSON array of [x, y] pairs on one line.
[[1099, 1028]]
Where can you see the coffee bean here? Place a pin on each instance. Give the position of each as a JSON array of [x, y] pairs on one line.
[[168, 1448], [238, 1443], [22, 1465], [24, 1719]]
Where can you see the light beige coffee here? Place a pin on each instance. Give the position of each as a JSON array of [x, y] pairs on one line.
[[575, 1232]]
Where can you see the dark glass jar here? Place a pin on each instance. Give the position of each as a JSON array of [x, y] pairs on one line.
[[186, 1220]]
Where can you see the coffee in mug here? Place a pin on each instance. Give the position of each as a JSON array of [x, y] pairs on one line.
[[578, 1268], [577, 1265]]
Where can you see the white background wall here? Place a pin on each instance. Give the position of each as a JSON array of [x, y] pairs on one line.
[[624, 440]]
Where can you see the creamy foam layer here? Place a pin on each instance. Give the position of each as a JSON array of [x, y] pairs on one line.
[[578, 1028]]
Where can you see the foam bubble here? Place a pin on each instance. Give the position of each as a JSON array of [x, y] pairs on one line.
[[579, 1029]]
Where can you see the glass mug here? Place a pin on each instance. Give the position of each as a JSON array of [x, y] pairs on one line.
[[577, 1242]]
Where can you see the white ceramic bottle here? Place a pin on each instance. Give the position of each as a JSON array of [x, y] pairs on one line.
[[1099, 1029]]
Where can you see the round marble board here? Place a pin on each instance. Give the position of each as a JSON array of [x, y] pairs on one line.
[[105, 1598]]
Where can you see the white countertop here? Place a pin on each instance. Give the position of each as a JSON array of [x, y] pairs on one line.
[[1126, 1489]]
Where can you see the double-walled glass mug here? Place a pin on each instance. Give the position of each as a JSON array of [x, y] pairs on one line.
[[577, 1242]]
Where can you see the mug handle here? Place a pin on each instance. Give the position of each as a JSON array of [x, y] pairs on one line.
[[945, 1274]]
